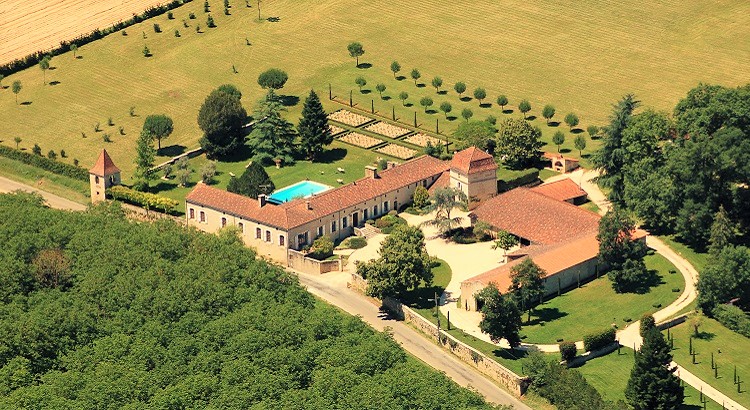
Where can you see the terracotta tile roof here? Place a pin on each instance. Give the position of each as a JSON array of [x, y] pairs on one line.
[[552, 155], [536, 217], [104, 165], [552, 260], [562, 190], [443, 181], [295, 213], [472, 160]]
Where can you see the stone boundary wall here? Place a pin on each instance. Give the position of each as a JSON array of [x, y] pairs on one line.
[[672, 322], [298, 261], [190, 154], [357, 283]]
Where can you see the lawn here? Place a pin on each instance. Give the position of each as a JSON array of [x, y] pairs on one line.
[[595, 306], [697, 259], [729, 349], [566, 54], [57, 184], [609, 375]]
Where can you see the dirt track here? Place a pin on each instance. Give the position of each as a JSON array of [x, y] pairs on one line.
[[27, 26]]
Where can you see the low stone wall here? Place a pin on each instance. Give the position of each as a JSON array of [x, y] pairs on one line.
[[190, 154], [357, 283], [672, 322], [298, 261], [468, 354]]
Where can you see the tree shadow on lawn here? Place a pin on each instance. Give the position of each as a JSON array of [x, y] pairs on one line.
[[386, 98], [576, 131], [364, 66], [430, 111], [544, 315], [409, 104], [422, 298], [485, 105], [26, 103], [331, 155], [465, 99], [564, 150], [451, 118], [421, 85], [400, 78], [510, 354], [365, 91], [54, 82], [652, 280], [553, 124], [442, 92], [172, 150], [708, 336], [531, 118], [508, 111], [289, 100]]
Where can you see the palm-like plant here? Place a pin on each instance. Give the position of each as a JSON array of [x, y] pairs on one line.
[[442, 202]]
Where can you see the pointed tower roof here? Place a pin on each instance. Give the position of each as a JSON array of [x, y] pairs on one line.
[[472, 160], [104, 165]]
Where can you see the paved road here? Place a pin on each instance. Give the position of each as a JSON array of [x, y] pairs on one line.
[[334, 291], [54, 201]]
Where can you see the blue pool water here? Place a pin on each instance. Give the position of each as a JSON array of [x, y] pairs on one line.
[[301, 189]]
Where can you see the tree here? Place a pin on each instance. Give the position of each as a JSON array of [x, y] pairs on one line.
[[460, 88], [230, 89], [403, 264], [146, 52], [221, 118], [144, 161], [580, 143], [442, 203], [646, 324], [313, 129], [36, 150], [356, 51], [466, 113], [74, 49], [723, 232], [726, 277], [502, 101], [558, 139], [571, 119], [16, 88], [652, 383], [273, 78], [159, 127], [322, 247], [1, 81], [426, 102], [44, 66], [395, 68], [208, 172], [593, 130], [524, 106], [210, 23], [361, 82], [52, 154], [380, 87], [527, 285], [272, 136], [548, 112], [421, 197], [52, 268], [619, 251], [480, 94], [437, 82], [505, 240], [501, 318], [517, 143], [475, 134], [415, 75], [446, 107], [403, 96], [17, 140]]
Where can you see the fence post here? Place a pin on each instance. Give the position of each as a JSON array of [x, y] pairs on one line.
[[351, 104], [415, 119], [437, 126], [372, 106], [393, 112], [330, 92]]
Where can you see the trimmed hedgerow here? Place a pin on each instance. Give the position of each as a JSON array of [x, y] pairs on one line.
[[45, 163], [568, 351], [599, 340], [144, 199]]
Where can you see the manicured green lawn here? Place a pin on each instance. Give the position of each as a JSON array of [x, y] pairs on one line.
[[535, 62], [595, 306], [590, 206], [609, 375], [697, 259], [715, 338]]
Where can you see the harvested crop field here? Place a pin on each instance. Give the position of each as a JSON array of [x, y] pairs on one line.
[[27, 26]]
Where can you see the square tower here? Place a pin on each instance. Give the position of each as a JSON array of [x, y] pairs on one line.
[[103, 175], [474, 172]]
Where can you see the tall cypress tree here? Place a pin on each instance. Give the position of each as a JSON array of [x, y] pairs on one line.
[[723, 232], [272, 136], [610, 157], [313, 127], [144, 161], [652, 384], [253, 182]]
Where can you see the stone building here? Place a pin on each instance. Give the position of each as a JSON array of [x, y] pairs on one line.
[[103, 175]]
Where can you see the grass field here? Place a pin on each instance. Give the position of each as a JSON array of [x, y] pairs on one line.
[[697, 259], [609, 375], [580, 56], [63, 186], [595, 306], [729, 349]]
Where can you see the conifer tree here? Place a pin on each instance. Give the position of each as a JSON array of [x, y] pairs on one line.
[[723, 232], [272, 136], [313, 128], [652, 384], [144, 160], [253, 182]]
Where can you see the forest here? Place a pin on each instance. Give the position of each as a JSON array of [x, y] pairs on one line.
[[97, 311]]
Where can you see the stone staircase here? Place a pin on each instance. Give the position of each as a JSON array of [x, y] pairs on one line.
[[368, 231]]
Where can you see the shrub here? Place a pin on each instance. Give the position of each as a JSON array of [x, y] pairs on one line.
[[37, 160], [106, 138], [647, 323], [63, 153], [675, 290], [185, 23], [75, 161], [177, 33], [144, 199], [210, 22], [167, 170], [393, 212], [97, 127], [321, 248], [208, 171], [51, 154], [121, 130], [599, 340], [382, 164], [83, 135], [182, 163], [110, 122], [157, 28], [191, 16], [733, 318], [421, 197], [370, 221], [568, 351], [170, 15], [132, 111], [354, 242]]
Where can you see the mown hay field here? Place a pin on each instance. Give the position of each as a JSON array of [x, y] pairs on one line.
[[580, 56]]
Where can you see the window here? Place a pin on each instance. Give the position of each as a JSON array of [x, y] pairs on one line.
[[364, 214], [223, 222], [192, 213], [424, 183], [333, 226], [385, 206], [320, 231], [257, 233], [375, 210], [344, 223], [96, 180], [281, 240], [203, 216], [268, 236], [395, 205], [242, 227]]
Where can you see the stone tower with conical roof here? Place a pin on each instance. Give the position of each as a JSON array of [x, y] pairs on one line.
[[103, 175]]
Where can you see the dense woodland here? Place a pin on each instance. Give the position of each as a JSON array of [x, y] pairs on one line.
[[100, 312]]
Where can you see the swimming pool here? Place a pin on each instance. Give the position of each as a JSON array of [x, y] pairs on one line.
[[302, 189]]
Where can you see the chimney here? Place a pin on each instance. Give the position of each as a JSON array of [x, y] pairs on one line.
[[392, 164], [262, 200], [371, 172], [309, 206]]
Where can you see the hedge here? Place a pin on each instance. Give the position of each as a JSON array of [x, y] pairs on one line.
[[596, 341], [733, 318], [45, 163], [568, 351], [143, 199], [34, 58]]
